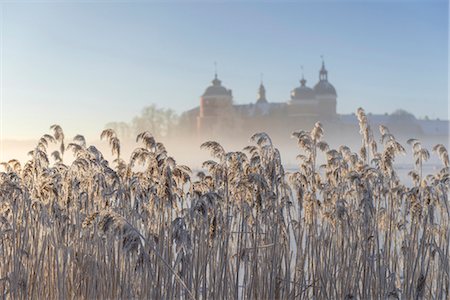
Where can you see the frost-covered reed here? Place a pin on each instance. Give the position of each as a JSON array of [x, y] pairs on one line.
[[242, 228]]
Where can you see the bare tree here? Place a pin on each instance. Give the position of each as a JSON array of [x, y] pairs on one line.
[[160, 122]]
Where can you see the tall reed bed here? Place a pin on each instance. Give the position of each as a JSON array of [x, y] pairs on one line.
[[243, 228]]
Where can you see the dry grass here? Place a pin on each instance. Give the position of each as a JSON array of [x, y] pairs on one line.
[[146, 228]]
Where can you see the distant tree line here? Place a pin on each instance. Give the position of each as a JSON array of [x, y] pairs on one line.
[[160, 122]]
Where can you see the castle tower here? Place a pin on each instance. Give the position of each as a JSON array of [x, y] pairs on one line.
[[303, 102], [262, 105], [325, 93], [261, 95], [216, 109]]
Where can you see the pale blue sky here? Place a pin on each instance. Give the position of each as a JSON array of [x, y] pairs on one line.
[[83, 64]]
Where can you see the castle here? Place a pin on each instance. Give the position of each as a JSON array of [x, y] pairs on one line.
[[218, 115]]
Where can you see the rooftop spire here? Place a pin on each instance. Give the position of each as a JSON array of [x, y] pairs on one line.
[[215, 70], [323, 74], [303, 80], [261, 92], [216, 80]]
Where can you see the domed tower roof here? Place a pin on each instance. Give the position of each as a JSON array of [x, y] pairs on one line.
[[302, 92], [216, 89], [323, 87]]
